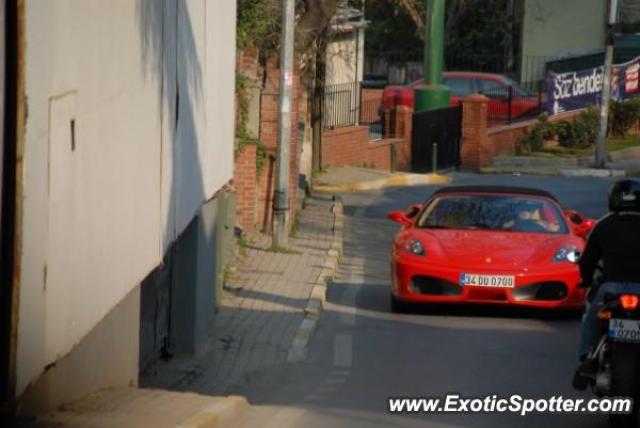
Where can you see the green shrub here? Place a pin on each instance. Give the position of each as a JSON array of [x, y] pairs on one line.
[[623, 116], [534, 139], [581, 132]]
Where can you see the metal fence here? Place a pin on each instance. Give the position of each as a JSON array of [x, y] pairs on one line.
[[344, 105], [510, 104], [341, 105]]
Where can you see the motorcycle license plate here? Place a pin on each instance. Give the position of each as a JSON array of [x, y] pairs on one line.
[[499, 281], [624, 330]]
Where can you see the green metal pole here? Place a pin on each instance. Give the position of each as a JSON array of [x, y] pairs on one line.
[[434, 95]]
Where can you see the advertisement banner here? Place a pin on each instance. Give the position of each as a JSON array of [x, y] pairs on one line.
[[578, 89]]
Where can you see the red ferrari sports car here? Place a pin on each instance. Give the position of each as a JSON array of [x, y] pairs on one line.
[[496, 245]]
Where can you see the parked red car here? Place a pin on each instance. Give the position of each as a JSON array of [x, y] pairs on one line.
[[496, 245], [462, 83]]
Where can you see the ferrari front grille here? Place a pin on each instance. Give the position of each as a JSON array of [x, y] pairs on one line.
[[546, 291], [434, 286]]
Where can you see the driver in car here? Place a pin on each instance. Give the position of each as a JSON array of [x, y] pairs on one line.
[[528, 219]]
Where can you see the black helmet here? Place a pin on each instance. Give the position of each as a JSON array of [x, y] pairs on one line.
[[625, 196]]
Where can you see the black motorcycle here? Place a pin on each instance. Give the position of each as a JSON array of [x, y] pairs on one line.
[[618, 354]]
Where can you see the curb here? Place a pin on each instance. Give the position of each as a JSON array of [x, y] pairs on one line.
[[221, 413], [394, 180], [318, 295], [592, 172], [581, 172]]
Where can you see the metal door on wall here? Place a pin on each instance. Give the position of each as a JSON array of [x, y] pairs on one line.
[[436, 132], [61, 281], [155, 312]]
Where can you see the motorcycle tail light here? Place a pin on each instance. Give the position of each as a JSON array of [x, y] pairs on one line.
[[629, 302]]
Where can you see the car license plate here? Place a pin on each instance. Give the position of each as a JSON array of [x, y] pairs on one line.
[[500, 281], [624, 330]]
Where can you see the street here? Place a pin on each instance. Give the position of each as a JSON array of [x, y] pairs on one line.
[[362, 354]]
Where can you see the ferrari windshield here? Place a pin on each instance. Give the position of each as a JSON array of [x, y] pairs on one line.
[[493, 212]]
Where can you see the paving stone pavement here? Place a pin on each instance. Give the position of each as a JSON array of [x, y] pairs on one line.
[[260, 311]]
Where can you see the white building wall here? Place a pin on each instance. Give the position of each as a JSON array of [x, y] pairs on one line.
[[554, 28], [341, 59], [97, 219]]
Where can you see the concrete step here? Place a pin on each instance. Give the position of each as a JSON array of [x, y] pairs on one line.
[[134, 407]]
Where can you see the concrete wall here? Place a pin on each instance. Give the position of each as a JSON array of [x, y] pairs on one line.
[[130, 130], [345, 58], [103, 357], [554, 28]]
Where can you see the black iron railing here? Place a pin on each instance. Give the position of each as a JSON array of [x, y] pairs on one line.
[[341, 105], [509, 104]]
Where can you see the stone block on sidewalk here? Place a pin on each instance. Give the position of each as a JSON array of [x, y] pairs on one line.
[[141, 408]]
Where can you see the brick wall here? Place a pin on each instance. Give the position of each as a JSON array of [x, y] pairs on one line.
[[503, 139], [475, 151], [370, 105], [244, 182], [372, 95], [350, 146], [254, 193], [481, 144], [404, 126]]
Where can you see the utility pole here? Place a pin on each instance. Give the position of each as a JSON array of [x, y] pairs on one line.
[[434, 95], [281, 197], [601, 141]]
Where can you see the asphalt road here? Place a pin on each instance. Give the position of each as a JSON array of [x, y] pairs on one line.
[[362, 354]]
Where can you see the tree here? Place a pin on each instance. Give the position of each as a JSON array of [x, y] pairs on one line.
[[258, 27], [478, 28]]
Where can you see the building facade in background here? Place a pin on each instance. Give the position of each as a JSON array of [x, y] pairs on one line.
[[558, 29]]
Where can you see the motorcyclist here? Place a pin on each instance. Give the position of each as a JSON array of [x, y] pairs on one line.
[[615, 244]]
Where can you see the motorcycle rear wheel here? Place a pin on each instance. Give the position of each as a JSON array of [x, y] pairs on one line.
[[625, 381]]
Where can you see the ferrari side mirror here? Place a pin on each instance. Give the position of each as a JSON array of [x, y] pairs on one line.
[[413, 210], [399, 217], [584, 228], [574, 216]]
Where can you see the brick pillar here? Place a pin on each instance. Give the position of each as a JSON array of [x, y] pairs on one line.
[[244, 181], [388, 125], [404, 127], [475, 139]]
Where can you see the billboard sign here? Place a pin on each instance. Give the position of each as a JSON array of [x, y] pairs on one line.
[[578, 89]]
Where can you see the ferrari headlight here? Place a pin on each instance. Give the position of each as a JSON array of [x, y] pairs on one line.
[[566, 254], [414, 247]]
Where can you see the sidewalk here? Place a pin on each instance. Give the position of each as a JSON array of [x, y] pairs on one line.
[[353, 179], [262, 309], [266, 309], [619, 163]]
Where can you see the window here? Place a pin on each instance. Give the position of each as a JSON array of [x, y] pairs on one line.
[[492, 88], [493, 212], [459, 87]]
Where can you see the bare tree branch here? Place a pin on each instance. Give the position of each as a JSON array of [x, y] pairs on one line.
[[411, 8], [313, 22]]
